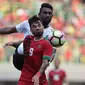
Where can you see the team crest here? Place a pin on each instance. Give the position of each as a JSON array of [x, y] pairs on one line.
[[39, 46]]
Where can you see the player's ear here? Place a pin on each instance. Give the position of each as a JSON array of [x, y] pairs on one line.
[[52, 15]]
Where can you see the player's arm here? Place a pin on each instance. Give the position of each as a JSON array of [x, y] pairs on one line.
[[13, 44], [18, 28], [43, 67], [8, 30], [47, 57], [53, 54]]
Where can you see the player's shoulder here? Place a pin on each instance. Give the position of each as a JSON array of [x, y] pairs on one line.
[[62, 70], [51, 72], [25, 22], [46, 41], [29, 37]]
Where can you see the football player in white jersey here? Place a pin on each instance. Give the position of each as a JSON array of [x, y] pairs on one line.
[[45, 14]]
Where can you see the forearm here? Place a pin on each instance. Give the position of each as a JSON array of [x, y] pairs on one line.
[[44, 65], [54, 54], [8, 30], [16, 44]]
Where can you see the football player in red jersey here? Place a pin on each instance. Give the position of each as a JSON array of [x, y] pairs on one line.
[[57, 76], [37, 54]]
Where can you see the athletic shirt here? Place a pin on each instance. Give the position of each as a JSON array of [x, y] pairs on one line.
[[39, 50], [24, 27], [57, 77]]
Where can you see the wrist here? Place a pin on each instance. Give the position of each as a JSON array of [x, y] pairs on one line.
[[38, 74]]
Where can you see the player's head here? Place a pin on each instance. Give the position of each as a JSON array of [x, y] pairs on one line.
[[56, 63], [36, 26], [46, 13]]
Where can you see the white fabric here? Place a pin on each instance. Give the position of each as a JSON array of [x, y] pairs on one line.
[[24, 27]]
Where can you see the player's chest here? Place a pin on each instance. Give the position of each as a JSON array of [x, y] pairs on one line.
[[36, 47], [57, 76]]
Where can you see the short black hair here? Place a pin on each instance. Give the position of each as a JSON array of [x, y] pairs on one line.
[[33, 19], [47, 5], [83, 1]]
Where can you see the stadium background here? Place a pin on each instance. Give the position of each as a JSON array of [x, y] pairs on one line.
[[69, 16]]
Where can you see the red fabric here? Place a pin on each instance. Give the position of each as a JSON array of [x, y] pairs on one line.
[[57, 77], [33, 62], [38, 49]]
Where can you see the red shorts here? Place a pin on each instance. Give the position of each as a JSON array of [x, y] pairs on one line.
[[29, 83]]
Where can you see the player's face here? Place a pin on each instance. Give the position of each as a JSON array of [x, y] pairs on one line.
[[37, 29], [46, 15]]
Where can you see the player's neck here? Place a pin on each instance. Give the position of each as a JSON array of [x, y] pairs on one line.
[[46, 26], [38, 38], [56, 68]]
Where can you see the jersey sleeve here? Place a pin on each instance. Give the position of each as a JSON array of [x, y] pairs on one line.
[[23, 26], [26, 44], [63, 73], [48, 50]]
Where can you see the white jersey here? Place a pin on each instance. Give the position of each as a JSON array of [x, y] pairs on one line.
[[24, 27]]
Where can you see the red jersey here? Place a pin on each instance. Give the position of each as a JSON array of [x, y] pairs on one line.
[[57, 77], [39, 50]]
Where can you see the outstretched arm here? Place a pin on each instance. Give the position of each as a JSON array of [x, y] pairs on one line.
[[8, 30], [14, 44]]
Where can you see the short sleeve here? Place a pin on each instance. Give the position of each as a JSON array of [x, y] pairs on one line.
[[26, 44], [48, 50], [23, 27]]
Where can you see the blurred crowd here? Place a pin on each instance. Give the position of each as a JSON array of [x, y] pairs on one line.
[[69, 17]]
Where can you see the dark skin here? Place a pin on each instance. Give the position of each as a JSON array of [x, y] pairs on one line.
[[46, 16]]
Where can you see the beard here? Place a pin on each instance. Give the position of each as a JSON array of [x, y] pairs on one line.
[[38, 34]]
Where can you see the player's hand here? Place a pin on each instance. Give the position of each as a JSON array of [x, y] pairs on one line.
[[9, 44], [35, 79]]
